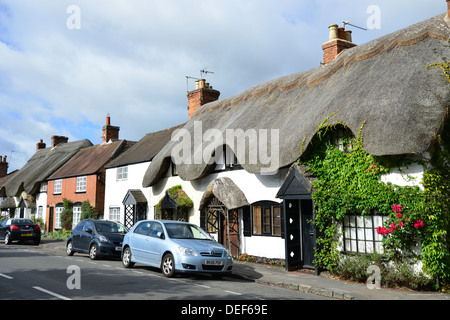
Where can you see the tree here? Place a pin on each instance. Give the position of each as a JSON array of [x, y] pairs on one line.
[[67, 214]]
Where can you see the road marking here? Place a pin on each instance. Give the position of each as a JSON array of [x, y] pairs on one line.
[[52, 293], [203, 286], [232, 292], [5, 276]]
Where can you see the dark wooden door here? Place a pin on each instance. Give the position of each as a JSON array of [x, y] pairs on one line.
[[308, 233]]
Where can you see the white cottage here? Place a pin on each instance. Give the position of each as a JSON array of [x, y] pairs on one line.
[[232, 156], [125, 198]]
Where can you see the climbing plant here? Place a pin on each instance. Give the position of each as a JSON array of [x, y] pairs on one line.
[[183, 204], [348, 181]]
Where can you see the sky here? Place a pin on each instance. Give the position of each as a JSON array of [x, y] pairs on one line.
[[64, 65]]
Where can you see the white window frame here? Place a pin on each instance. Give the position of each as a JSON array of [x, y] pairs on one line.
[[58, 211], [114, 213], [57, 188], [43, 188], [122, 174], [40, 213], [76, 216], [81, 184]]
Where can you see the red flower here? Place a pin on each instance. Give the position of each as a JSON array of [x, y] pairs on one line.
[[418, 224], [397, 208], [399, 215]]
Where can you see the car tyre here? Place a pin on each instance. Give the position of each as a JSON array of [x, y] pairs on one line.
[[7, 238], [69, 249], [93, 252], [126, 258], [168, 265]]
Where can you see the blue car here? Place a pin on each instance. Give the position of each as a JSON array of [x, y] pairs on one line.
[[98, 238], [175, 246]]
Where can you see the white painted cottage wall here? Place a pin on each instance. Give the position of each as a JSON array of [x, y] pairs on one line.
[[115, 191], [255, 187]]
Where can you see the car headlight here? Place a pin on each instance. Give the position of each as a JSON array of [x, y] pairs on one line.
[[103, 239], [228, 254], [187, 251]]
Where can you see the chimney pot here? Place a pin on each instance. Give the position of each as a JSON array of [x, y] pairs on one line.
[[339, 40], [40, 145], [333, 32], [59, 139], [348, 35], [202, 94], [3, 167], [110, 132]]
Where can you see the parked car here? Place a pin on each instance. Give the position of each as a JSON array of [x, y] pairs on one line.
[[20, 229], [97, 237], [175, 246]]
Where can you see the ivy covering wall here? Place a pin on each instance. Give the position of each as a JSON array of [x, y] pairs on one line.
[[348, 181]]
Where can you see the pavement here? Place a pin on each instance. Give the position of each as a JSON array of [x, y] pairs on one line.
[[306, 282]]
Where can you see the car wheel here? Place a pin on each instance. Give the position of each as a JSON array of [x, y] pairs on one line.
[[69, 249], [93, 252], [36, 242], [7, 238], [168, 265], [126, 258]]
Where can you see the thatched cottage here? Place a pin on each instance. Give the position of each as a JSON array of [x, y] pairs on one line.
[[233, 156]]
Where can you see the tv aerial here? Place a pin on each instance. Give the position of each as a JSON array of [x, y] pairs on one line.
[[202, 72], [348, 23]]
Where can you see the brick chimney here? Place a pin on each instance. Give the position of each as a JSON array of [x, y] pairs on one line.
[[110, 132], [340, 39], [3, 167], [40, 145], [202, 94], [58, 139]]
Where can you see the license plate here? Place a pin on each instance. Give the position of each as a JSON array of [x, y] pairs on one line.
[[214, 262], [118, 248], [27, 234]]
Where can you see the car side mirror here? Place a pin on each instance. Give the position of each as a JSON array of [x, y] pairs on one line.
[[89, 230], [161, 235]]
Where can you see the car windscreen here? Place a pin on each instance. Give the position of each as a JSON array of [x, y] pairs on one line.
[[110, 227], [21, 221], [186, 231]]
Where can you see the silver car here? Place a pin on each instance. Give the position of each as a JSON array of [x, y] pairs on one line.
[[175, 246]]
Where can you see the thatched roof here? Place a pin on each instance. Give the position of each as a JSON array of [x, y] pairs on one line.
[[382, 84], [226, 191], [145, 149], [40, 166], [7, 203], [90, 160]]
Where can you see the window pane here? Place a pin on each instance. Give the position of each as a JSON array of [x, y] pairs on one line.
[[266, 220], [211, 221], [257, 220], [81, 184], [276, 221]]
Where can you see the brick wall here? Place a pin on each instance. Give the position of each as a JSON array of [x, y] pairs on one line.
[[199, 97], [95, 193]]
